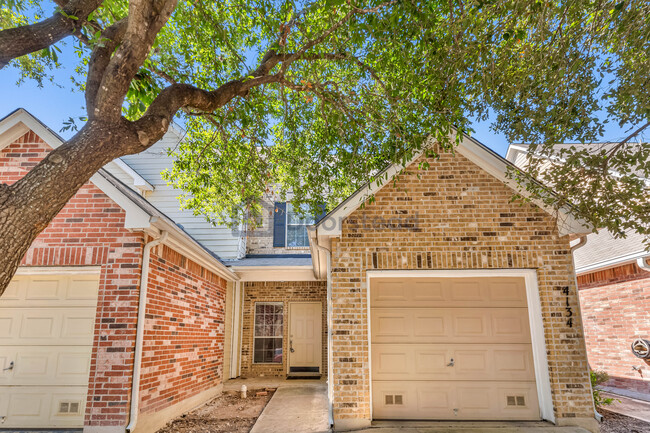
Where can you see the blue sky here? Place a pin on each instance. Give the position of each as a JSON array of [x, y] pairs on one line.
[[53, 104]]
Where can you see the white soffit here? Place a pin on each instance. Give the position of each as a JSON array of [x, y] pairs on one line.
[[274, 273]]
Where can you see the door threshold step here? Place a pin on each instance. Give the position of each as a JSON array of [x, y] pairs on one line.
[[303, 375]]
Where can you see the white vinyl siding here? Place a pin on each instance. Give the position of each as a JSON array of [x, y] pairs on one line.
[[221, 240]]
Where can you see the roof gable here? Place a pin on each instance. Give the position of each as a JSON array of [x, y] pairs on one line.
[[474, 151], [140, 214]]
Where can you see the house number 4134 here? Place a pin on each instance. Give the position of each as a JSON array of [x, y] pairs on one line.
[[569, 311]]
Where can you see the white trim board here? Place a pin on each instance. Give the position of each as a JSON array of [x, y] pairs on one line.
[[58, 270], [538, 342], [612, 263], [274, 273]]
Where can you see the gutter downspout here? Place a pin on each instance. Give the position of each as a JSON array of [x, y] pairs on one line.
[[139, 335], [583, 241], [330, 383], [641, 263]]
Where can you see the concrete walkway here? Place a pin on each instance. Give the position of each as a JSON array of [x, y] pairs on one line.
[[298, 405], [631, 407]]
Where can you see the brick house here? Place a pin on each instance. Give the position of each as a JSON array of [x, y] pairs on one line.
[[69, 318], [441, 299], [613, 277]]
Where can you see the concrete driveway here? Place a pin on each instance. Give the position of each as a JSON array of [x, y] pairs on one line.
[[467, 427], [300, 406]]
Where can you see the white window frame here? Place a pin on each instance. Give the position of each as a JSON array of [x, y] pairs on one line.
[[281, 336], [289, 209]]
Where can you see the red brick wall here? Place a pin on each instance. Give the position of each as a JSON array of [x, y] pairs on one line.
[[89, 230], [183, 351], [615, 312], [184, 331]]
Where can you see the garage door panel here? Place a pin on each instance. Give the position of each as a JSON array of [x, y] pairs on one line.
[[479, 362], [49, 365], [46, 329], [12, 292], [405, 400], [51, 291], [410, 362], [31, 406], [448, 292], [40, 326], [463, 291], [427, 291], [506, 291], [453, 400], [510, 324], [459, 325], [518, 399]]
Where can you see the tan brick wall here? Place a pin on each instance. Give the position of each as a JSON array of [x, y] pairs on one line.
[[457, 217], [285, 292]]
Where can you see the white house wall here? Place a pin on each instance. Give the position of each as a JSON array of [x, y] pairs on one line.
[[149, 164]]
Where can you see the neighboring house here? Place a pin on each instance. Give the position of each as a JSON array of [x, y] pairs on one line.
[[69, 318], [614, 285], [441, 299]]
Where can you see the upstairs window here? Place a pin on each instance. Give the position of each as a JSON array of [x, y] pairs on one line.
[[297, 227], [290, 228]]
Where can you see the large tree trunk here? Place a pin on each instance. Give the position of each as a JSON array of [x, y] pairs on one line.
[[28, 206]]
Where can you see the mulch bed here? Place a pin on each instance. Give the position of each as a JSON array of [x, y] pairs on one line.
[[616, 423], [227, 413]]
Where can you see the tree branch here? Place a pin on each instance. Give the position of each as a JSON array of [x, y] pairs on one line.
[[145, 19], [156, 119], [27, 39], [99, 60]]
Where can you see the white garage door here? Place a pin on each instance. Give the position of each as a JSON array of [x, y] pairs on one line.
[[451, 348], [46, 335]]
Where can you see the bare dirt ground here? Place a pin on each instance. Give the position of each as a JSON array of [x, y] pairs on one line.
[[227, 413], [615, 423]]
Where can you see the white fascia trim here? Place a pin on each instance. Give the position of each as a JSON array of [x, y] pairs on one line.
[[275, 273], [13, 124], [611, 263], [11, 133], [57, 270], [538, 342], [136, 217], [513, 151], [23, 121], [138, 181]]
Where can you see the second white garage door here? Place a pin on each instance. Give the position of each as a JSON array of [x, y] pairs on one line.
[[46, 332], [451, 348]]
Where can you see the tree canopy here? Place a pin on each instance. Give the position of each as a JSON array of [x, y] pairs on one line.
[[313, 97]]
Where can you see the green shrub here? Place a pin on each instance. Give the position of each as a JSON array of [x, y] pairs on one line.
[[598, 377]]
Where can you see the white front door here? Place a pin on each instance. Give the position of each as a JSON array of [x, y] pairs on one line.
[[305, 336], [47, 325]]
